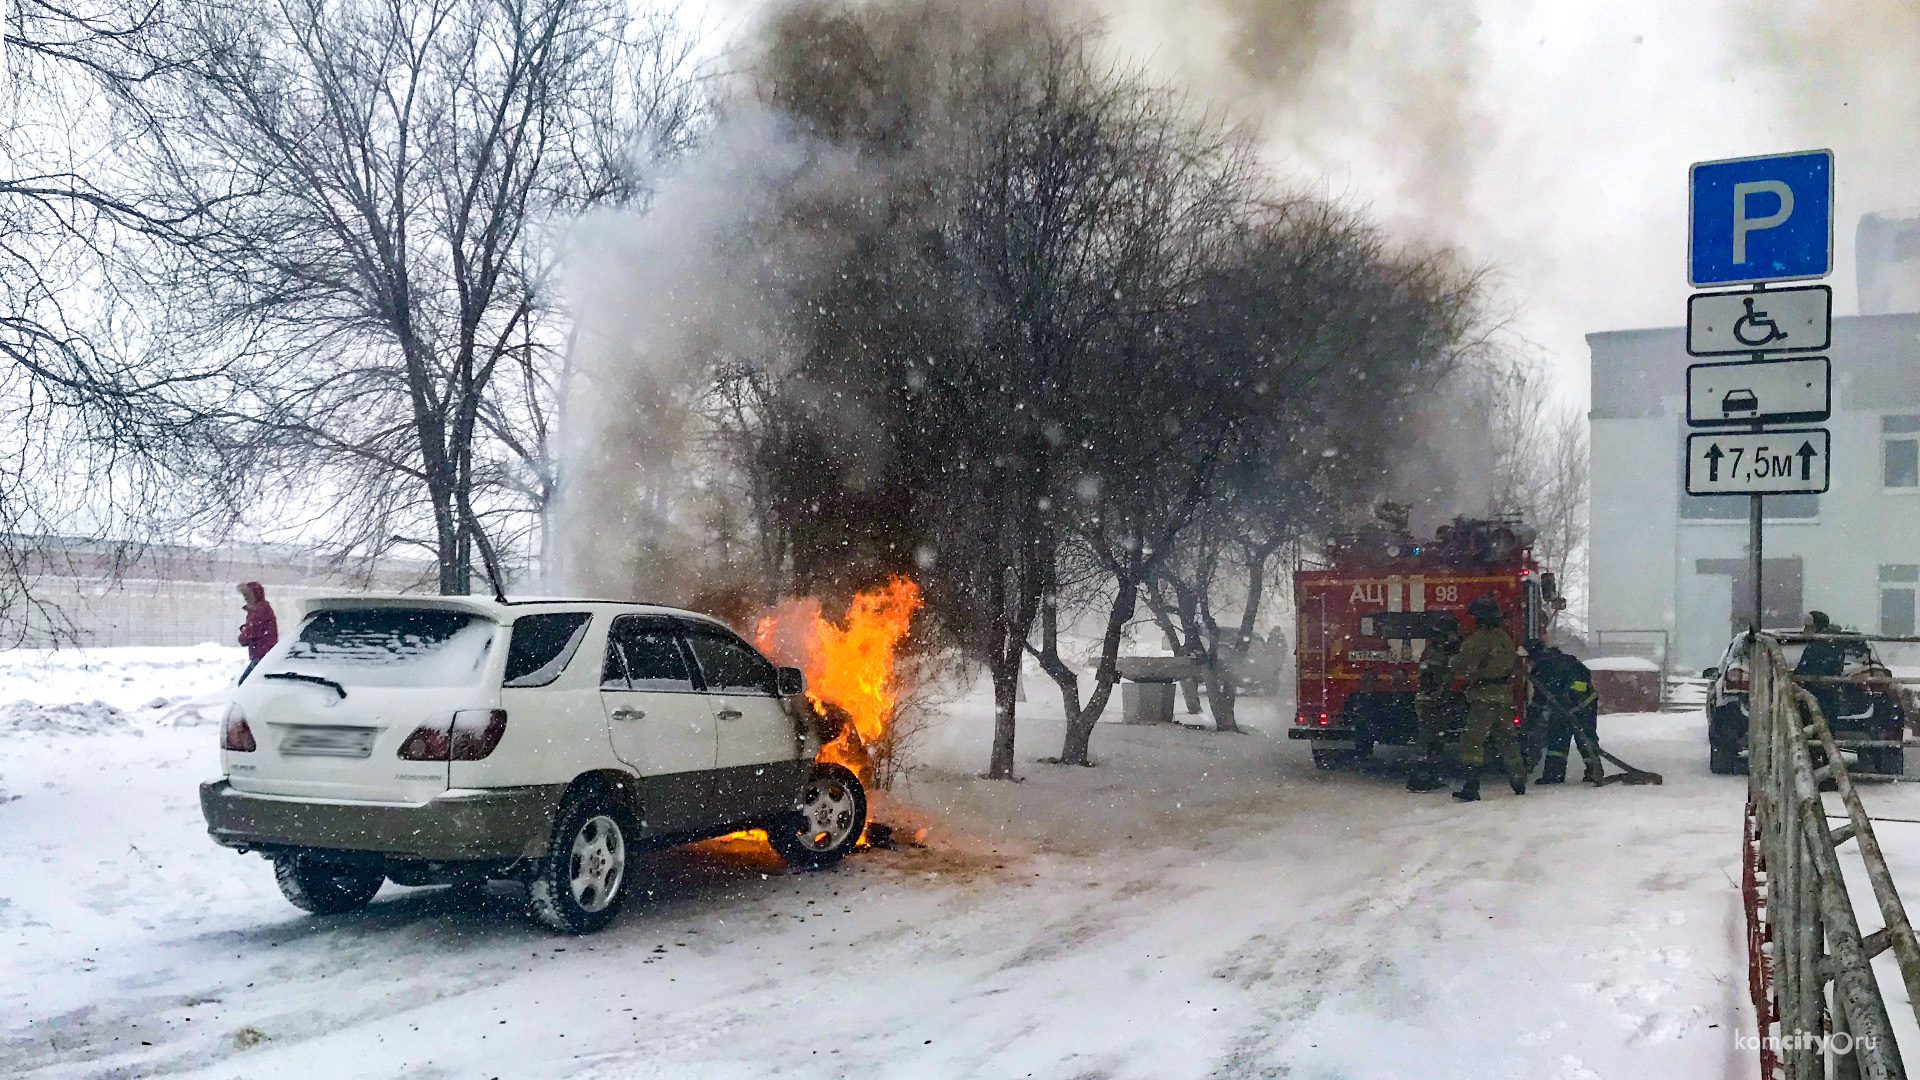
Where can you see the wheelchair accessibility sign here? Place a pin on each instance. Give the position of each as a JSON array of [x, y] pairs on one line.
[[1776, 320], [1761, 219]]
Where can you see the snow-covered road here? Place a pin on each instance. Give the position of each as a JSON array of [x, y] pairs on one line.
[[1200, 905]]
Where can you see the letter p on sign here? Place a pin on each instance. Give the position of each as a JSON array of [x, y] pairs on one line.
[[1744, 224], [1761, 219]]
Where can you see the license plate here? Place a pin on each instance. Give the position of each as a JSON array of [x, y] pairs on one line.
[[1377, 655], [355, 742]]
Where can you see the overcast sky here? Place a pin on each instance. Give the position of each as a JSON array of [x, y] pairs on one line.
[[1550, 138]]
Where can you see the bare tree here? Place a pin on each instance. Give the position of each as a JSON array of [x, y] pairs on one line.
[[390, 181], [1542, 462], [84, 450], [1055, 333], [1335, 338]]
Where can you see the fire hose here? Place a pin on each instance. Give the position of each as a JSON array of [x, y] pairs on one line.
[[1589, 743]]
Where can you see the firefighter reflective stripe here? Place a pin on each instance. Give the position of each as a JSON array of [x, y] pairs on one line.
[[1584, 695]]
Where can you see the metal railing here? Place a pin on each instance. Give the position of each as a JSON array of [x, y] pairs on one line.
[[1817, 1002]]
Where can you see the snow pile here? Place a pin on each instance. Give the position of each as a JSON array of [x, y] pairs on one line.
[[76, 718], [87, 691]]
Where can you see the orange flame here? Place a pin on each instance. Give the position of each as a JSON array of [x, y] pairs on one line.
[[851, 667]]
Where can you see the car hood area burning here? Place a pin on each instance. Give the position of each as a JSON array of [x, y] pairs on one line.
[[850, 668]]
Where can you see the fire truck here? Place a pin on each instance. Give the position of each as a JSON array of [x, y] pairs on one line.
[[1364, 615]]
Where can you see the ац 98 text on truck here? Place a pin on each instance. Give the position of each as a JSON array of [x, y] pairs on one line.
[[1364, 619]]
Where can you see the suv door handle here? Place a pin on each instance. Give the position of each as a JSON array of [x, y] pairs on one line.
[[629, 714], [730, 714]]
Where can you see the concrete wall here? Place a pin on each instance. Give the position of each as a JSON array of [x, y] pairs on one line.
[[100, 594]]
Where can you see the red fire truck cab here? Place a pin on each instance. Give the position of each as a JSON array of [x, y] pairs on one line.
[[1363, 619]]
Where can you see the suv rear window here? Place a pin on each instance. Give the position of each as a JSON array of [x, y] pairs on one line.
[[542, 647], [390, 646]]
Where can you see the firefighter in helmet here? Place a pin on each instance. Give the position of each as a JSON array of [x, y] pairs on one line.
[[1562, 687], [1483, 670], [1436, 707]]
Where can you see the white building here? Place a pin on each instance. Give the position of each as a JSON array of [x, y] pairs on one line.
[[1666, 561]]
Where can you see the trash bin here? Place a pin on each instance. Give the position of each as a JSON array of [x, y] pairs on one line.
[[1146, 702], [1146, 697]]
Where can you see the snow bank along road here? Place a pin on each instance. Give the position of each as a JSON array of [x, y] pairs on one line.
[[1201, 905]]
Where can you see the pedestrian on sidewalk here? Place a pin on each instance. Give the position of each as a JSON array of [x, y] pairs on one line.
[[259, 631]]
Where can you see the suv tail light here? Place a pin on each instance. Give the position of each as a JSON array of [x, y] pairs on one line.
[[235, 735], [476, 732], [471, 735], [1737, 678]]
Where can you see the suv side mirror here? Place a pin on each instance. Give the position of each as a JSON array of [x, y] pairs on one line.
[[790, 681], [1710, 673]]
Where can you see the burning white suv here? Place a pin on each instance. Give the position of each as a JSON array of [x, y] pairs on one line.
[[457, 739]]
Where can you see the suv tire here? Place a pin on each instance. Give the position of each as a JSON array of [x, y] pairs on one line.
[[324, 888], [826, 822], [582, 882], [1886, 761], [1724, 760]]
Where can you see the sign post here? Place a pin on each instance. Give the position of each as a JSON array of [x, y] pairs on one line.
[[1752, 221]]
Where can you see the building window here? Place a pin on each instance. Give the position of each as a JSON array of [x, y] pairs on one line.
[[1897, 586], [1900, 452]]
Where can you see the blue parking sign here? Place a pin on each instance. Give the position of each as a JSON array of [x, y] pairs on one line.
[[1761, 219]]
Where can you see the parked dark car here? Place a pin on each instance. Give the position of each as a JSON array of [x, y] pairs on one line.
[[1867, 706]]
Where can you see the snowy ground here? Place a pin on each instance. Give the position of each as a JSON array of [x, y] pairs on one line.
[[1199, 905]]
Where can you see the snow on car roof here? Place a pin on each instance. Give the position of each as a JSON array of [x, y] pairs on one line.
[[490, 607]]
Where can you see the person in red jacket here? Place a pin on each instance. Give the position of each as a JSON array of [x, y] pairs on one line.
[[260, 631]]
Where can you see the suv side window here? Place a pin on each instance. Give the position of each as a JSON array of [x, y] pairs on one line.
[[729, 664], [543, 646], [644, 654]]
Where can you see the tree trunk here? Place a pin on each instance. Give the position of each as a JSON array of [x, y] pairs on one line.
[[1256, 591], [447, 536], [1073, 750], [1221, 695], [1006, 676], [1063, 676]]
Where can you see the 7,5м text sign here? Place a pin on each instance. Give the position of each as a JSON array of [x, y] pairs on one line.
[[1786, 462]]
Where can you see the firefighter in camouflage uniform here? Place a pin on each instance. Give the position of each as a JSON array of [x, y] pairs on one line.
[[1437, 708], [1483, 670]]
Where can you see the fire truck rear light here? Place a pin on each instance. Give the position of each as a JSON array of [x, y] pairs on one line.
[[1323, 718], [1300, 716], [1516, 721]]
